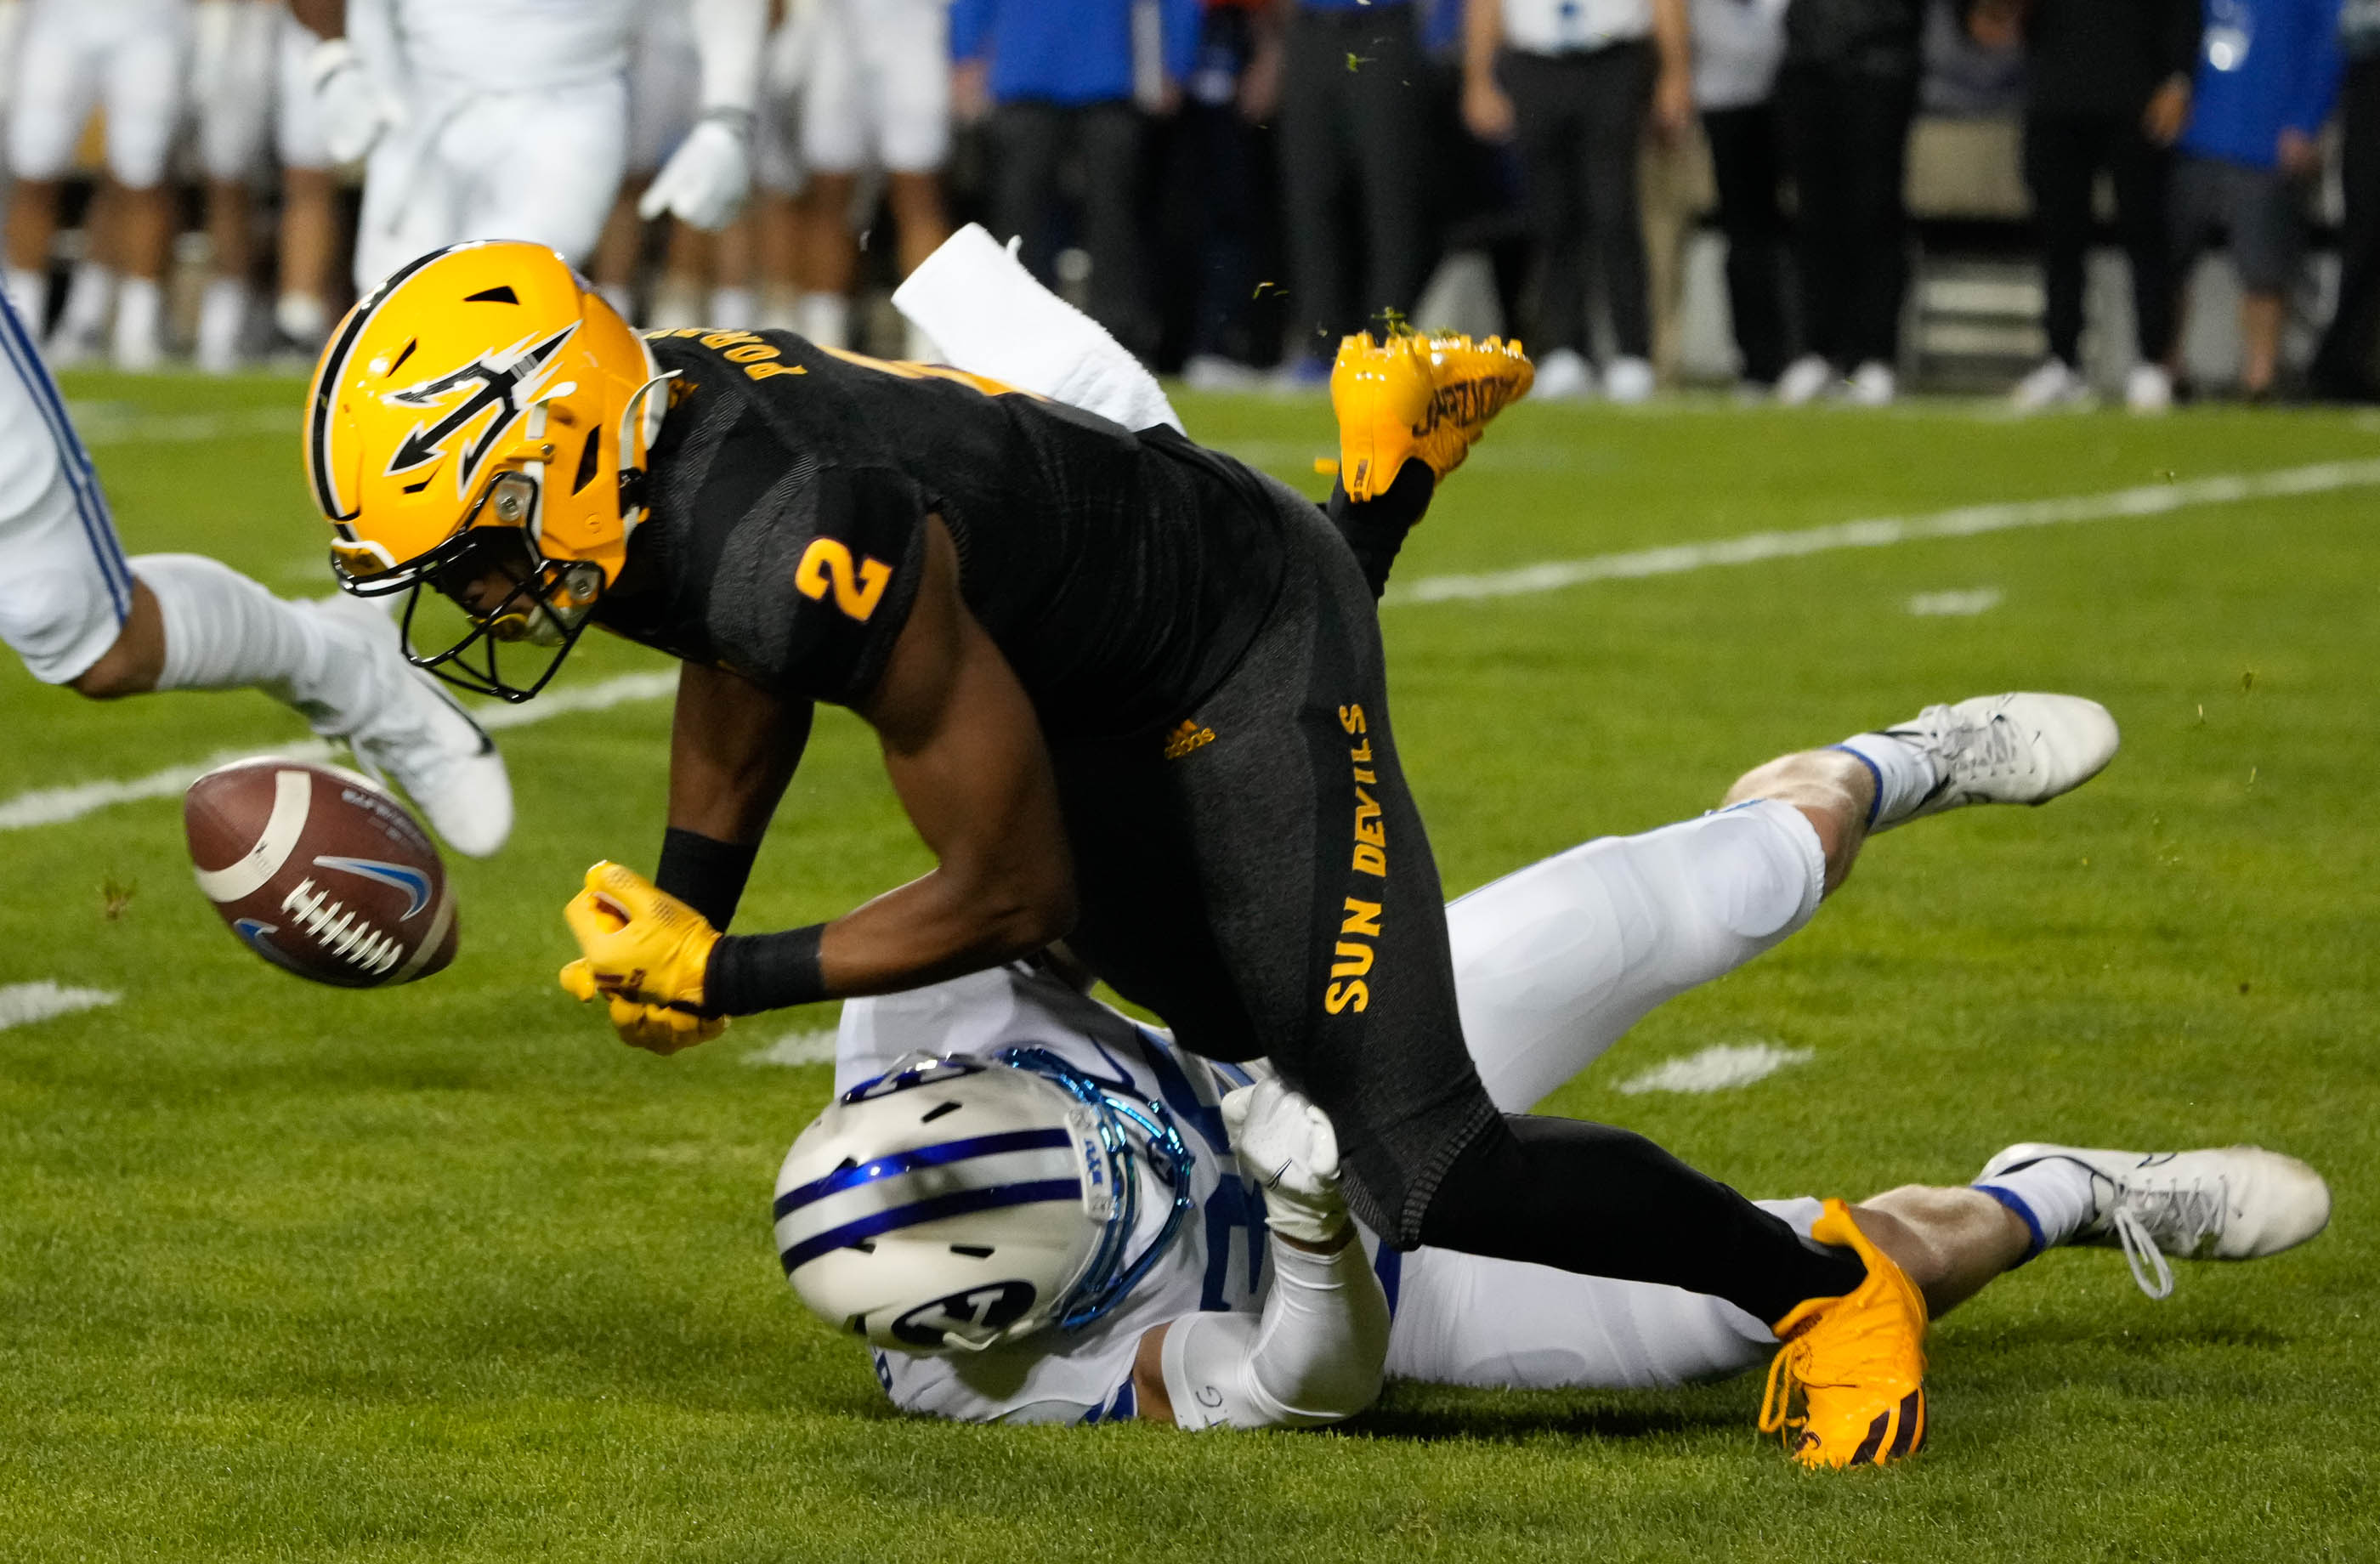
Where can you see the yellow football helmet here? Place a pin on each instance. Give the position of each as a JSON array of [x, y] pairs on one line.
[[484, 411]]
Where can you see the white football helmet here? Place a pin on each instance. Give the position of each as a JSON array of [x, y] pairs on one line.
[[956, 1202]]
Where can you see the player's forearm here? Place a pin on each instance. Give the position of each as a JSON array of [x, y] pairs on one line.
[[1672, 36], [728, 35], [733, 749], [1315, 1356], [942, 926], [1483, 36]]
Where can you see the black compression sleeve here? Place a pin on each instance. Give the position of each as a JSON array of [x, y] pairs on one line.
[[750, 973], [706, 874], [1375, 529]]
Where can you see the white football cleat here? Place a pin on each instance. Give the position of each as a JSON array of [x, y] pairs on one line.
[[407, 730], [2148, 390], [1629, 381], [1872, 384], [1564, 375], [1804, 381], [2232, 1203], [2053, 384], [2018, 748]]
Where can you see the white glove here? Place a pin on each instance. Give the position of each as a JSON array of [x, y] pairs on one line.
[[1288, 1147], [356, 114], [706, 181]]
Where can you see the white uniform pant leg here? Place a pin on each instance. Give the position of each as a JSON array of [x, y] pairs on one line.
[[235, 111], [410, 205], [57, 81], [904, 46], [834, 103], [664, 88], [1554, 962], [144, 93], [1459, 1319], [563, 153], [64, 586], [296, 122]]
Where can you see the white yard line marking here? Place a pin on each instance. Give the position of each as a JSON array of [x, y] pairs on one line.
[[47, 806], [56, 805], [21, 1004], [572, 699], [1717, 1068], [1955, 606], [797, 1048], [103, 423], [1964, 521]]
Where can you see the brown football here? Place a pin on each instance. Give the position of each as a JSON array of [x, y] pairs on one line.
[[320, 872]]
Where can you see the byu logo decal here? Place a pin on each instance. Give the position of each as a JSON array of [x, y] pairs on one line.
[[497, 386], [977, 1313]]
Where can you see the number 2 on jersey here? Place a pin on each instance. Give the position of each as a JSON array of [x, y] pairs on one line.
[[827, 565]]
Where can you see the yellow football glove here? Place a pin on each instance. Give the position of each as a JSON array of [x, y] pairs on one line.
[[644, 952]]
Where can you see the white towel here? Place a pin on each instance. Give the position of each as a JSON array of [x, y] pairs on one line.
[[989, 316]]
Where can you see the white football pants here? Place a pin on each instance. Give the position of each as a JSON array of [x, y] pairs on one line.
[[66, 587], [1551, 965], [540, 164], [124, 54]]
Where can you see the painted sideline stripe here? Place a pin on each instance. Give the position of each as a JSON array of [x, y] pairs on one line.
[[21, 1004], [1965, 521], [56, 805], [1717, 1068]]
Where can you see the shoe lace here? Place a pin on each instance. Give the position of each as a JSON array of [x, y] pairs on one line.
[[1989, 745], [2186, 1216], [1777, 1399]]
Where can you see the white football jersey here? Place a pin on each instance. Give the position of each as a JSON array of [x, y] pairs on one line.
[[1218, 1262], [506, 46]]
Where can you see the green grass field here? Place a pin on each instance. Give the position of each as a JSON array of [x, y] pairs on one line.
[[445, 1273]]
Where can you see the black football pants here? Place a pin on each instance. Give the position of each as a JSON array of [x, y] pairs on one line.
[[2063, 155], [1256, 873]]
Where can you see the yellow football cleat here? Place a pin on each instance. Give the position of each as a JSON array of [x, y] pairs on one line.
[[1417, 398], [1858, 1359]]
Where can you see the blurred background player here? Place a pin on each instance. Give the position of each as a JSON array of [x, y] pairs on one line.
[[1065, 82], [509, 119], [127, 56], [310, 238], [79, 613], [1845, 97], [2268, 71], [2107, 88], [1738, 46], [876, 92], [234, 56], [1571, 85]]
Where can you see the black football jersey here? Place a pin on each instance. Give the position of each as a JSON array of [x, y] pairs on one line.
[[1121, 573]]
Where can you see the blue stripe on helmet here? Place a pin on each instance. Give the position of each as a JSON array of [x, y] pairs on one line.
[[936, 1156], [966, 1202]]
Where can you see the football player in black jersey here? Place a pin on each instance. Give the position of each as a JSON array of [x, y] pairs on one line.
[[1129, 691]]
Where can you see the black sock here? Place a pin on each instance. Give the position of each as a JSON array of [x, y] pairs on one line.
[[1605, 1202], [1375, 529]]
